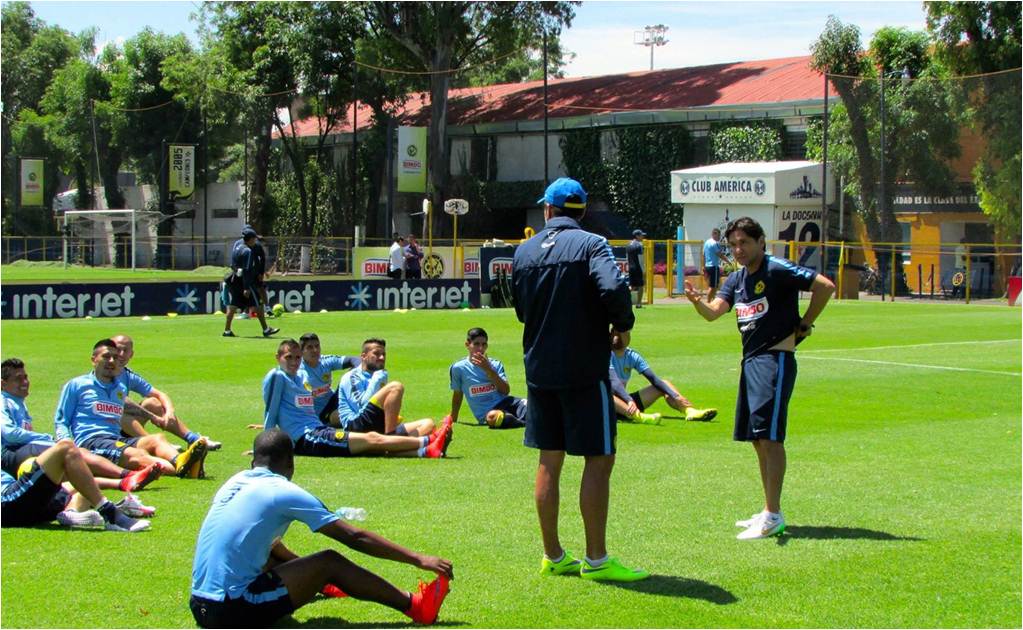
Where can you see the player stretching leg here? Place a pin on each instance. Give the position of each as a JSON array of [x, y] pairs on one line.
[[765, 294]]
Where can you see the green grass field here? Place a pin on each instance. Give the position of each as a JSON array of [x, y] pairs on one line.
[[903, 492]]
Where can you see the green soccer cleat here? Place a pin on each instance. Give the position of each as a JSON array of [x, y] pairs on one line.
[[612, 571], [567, 566], [704, 415], [646, 418]]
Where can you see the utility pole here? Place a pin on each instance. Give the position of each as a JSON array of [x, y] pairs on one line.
[[651, 36]]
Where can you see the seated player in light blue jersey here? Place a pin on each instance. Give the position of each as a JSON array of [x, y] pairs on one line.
[[94, 408], [367, 402], [316, 370], [482, 382], [289, 406], [38, 495], [20, 442], [244, 577], [623, 361], [154, 401]]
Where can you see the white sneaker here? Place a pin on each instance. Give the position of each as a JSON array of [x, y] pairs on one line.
[[750, 521], [213, 445], [74, 518], [765, 527], [124, 523], [132, 506]]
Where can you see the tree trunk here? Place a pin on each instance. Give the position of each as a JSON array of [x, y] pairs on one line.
[[439, 161], [109, 176], [260, 174]]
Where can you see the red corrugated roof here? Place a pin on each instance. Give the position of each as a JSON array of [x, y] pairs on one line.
[[768, 81]]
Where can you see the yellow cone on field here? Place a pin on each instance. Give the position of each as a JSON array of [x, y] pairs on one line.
[[172, 314], [146, 318]]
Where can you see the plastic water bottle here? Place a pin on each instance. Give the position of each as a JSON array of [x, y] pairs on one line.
[[351, 513]]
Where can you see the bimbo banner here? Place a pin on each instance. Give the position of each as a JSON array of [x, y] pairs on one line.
[[41, 301], [412, 159], [32, 183], [181, 171]]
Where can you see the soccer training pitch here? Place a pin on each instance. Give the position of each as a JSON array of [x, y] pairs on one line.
[[902, 494]]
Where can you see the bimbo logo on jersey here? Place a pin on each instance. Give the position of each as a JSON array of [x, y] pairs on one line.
[[377, 267], [477, 390], [753, 310], [101, 407], [304, 400]]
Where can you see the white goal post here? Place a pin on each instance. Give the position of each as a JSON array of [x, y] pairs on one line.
[[102, 226]]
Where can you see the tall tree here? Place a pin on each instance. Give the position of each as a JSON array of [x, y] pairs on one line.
[[984, 38], [446, 36]]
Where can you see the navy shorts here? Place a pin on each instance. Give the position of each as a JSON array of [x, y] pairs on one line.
[[236, 294], [514, 409], [636, 279], [32, 500], [324, 442], [11, 459], [264, 601], [713, 275], [579, 421], [329, 409], [108, 446], [765, 386], [371, 419]]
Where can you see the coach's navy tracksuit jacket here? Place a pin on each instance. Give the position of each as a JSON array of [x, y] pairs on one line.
[[568, 292]]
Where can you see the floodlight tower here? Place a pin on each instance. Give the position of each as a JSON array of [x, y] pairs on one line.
[[650, 37]]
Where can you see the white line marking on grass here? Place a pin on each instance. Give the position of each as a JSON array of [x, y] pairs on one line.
[[913, 345], [913, 365]]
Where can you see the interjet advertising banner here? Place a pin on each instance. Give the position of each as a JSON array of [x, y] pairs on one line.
[[41, 301]]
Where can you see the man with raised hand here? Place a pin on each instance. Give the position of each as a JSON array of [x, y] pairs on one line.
[[481, 381], [94, 408], [153, 400], [289, 406], [765, 294], [316, 370], [367, 402], [244, 577], [569, 294], [20, 442], [38, 497]]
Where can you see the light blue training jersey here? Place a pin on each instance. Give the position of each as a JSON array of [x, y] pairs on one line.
[[17, 424], [89, 408], [252, 509], [134, 382], [5, 481], [288, 404], [356, 388], [318, 379], [476, 387], [625, 364], [711, 249]]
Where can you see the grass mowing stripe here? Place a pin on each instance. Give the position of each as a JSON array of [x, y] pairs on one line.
[[912, 365], [915, 345]]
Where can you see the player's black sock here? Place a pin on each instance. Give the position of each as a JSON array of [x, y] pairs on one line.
[[108, 511], [125, 472]]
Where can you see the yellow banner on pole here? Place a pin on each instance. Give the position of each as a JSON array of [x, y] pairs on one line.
[[412, 159], [32, 183], [181, 173]]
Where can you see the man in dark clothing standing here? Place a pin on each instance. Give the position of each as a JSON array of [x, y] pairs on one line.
[[241, 284], [634, 250], [569, 294], [413, 259]]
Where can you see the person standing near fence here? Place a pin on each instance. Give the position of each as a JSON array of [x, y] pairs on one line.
[[259, 262], [634, 251], [397, 258], [241, 284], [765, 294], [569, 294], [413, 259], [711, 257]]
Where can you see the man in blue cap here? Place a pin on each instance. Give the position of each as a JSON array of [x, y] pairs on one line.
[[241, 284], [569, 294]]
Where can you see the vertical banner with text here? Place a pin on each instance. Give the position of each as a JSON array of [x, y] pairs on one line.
[[32, 183], [412, 159], [181, 171]]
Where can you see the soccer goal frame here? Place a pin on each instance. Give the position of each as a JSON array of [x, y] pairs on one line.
[[132, 214]]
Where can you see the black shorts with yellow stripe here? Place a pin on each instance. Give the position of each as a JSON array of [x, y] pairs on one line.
[[324, 442], [108, 446]]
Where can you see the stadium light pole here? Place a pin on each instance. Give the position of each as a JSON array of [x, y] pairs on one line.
[[651, 36]]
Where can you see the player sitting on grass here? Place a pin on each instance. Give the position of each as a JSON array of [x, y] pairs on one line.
[[367, 402], [20, 442], [623, 361], [482, 381], [153, 400], [289, 405], [316, 370], [244, 577], [94, 408], [38, 497]]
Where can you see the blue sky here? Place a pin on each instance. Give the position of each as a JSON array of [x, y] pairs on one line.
[[601, 35]]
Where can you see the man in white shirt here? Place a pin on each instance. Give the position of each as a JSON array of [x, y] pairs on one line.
[[397, 256]]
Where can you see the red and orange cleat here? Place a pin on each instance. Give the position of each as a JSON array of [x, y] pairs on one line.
[[427, 602], [332, 591], [140, 478]]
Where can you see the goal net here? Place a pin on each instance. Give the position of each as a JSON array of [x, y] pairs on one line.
[[120, 238]]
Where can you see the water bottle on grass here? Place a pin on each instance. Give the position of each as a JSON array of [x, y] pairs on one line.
[[351, 513]]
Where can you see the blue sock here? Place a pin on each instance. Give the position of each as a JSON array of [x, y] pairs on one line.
[[421, 452], [191, 436]]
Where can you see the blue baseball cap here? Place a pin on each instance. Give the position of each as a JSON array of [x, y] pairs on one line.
[[560, 190]]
